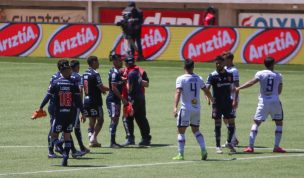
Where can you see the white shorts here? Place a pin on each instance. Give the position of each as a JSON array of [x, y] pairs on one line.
[[272, 108], [188, 117]]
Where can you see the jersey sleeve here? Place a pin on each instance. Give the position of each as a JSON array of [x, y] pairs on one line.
[[202, 83], [280, 79], [114, 78], [145, 76], [236, 76], [209, 79], [98, 79], [179, 83], [258, 75]]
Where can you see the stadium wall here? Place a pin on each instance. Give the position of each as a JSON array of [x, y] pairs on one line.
[[250, 45]]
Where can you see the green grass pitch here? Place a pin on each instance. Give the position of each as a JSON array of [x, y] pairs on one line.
[[23, 142]]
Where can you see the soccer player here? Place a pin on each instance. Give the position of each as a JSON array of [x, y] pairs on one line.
[[93, 88], [221, 82], [66, 97], [230, 67], [136, 96], [269, 103], [188, 88], [75, 65], [115, 97]]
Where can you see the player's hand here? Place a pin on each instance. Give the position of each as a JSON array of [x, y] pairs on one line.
[[124, 101], [237, 89], [235, 104], [38, 114], [175, 112], [83, 118]]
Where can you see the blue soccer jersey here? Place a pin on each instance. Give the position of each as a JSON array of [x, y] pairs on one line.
[[91, 81], [114, 78]]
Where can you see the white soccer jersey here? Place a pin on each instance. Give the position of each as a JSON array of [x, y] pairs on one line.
[[190, 86], [269, 84]]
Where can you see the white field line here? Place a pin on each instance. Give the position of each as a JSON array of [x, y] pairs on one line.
[[163, 67], [170, 146], [142, 165]]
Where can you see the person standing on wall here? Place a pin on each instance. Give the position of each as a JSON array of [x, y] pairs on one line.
[[209, 18]]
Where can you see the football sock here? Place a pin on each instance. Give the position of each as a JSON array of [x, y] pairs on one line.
[[126, 126], [79, 138], [72, 147], [57, 143], [217, 131], [67, 147], [130, 125], [230, 132], [90, 132], [200, 139], [278, 135], [253, 134], [50, 145], [113, 127], [181, 140]]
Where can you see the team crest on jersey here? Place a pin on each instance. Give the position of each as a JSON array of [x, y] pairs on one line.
[[194, 101]]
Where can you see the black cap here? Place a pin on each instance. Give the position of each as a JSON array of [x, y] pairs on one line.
[[130, 60], [64, 64]]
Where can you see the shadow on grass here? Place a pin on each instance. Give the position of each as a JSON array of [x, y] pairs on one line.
[[101, 153], [88, 166], [86, 158]]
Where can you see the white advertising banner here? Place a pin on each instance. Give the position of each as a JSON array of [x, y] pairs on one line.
[[43, 15], [271, 20]]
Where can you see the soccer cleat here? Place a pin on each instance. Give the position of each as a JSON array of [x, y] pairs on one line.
[[279, 150], [38, 114], [94, 144], [115, 145], [85, 151], [178, 157], [218, 150], [225, 145], [248, 150], [235, 142], [77, 154], [231, 148], [144, 142], [58, 150], [204, 154], [129, 142], [54, 155]]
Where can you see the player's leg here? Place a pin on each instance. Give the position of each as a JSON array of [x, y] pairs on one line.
[[114, 113], [97, 128], [277, 116], [195, 123], [56, 129], [67, 128], [142, 122], [182, 122], [230, 128], [78, 135], [216, 115], [92, 122], [128, 123]]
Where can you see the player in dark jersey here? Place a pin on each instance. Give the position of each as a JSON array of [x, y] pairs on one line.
[[221, 82], [136, 96], [66, 98], [114, 97], [75, 65], [93, 88]]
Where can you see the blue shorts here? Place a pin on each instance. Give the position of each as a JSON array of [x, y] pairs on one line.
[[63, 124], [225, 111], [113, 109], [94, 111]]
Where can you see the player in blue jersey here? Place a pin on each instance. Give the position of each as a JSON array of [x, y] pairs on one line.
[[93, 88], [66, 98], [136, 96], [221, 82], [75, 65], [115, 97]]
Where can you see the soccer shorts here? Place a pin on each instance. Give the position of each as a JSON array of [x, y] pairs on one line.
[[63, 124], [226, 111], [113, 109], [94, 111], [272, 108], [188, 117]]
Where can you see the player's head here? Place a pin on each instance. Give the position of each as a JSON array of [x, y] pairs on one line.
[[93, 62], [189, 65], [219, 63], [65, 68], [269, 62], [75, 65], [211, 9], [116, 59], [228, 56], [129, 61], [58, 63], [131, 4]]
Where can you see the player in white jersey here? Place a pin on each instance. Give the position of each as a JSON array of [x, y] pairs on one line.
[[230, 67], [188, 88], [269, 103]]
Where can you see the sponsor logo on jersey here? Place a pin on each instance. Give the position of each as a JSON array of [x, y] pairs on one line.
[[74, 40], [19, 39], [281, 44], [204, 44], [154, 40]]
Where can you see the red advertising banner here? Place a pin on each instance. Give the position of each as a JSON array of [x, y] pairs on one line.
[[156, 17], [19, 39], [73, 41], [204, 44], [154, 39]]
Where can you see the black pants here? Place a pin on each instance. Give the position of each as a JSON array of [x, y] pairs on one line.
[[139, 107], [137, 40]]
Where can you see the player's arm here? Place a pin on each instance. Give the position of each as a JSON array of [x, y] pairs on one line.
[[101, 87], [280, 88], [118, 94], [145, 80], [176, 101], [47, 97], [248, 84], [79, 104], [208, 95]]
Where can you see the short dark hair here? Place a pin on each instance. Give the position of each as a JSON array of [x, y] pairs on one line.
[[74, 63], [113, 56], [188, 64], [269, 61], [91, 59], [64, 64], [211, 9], [219, 58], [130, 59], [58, 63], [228, 55], [131, 4]]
